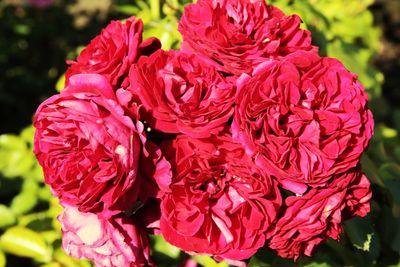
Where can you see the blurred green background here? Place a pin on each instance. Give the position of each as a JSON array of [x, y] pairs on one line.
[[36, 40]]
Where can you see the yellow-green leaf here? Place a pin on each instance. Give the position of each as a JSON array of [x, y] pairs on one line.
[[209, 262], [23, 203], [52, 264], [67, 261], [23, 242], [7, 217], [60, 83], [163, 247], [3, 260]]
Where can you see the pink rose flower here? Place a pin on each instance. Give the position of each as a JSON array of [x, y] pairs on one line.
[[310, 219], [113, 52], [112, 242], [182, 93], [218, 201], [303, 119], [240, 34], [90, 149]]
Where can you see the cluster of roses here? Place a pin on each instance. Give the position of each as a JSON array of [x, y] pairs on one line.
[[244, 137]]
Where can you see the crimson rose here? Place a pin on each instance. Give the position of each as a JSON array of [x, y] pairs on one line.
[[310, 219], [88, 148], [218, 201], [112, 242], [182, 93], [113, 51], [240, 34], [303, 119]]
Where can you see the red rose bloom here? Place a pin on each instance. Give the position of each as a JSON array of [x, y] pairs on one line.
[[310, 219], [182, 94], [218, 202], [303, 119], [113, 51], [240, 34], [88, 148], [112, 242]]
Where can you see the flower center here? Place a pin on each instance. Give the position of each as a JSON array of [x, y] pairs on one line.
[[217, 184]]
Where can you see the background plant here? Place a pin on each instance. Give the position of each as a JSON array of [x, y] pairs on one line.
[[33, 46]]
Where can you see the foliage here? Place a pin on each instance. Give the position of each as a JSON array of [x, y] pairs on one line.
[[29, 232], [28, 215]]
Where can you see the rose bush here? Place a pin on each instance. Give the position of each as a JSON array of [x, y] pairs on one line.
[[310, 219], [88, 148], [218, 201], [303, 119], [182, 93], [113, 52], [240, 34], [246, 109], [112, 242]]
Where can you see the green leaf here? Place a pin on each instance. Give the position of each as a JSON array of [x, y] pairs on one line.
[[367, 243], [394, 187], [30, 186], [255, 262], [55, 207], [50, 236], [164, 247], [23, 203], [396, 265], [390, 170], [23, 242], [269, 258], [7, 217], [67, 261], [27, 134], [22, 29], [389, 132], [140, 9], [16, 158], [381, 152], [36, 172], [389, 227], [395, 244], [172, 7], [3, 260], [370, 169], [209, 262], [396, 153], [155, 9], [52, 264], [60, 83], [360, 232], [24, 220], [165, 30], [127, 9], [380, 108], [45, 193], [317, 264], [364, 238]]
